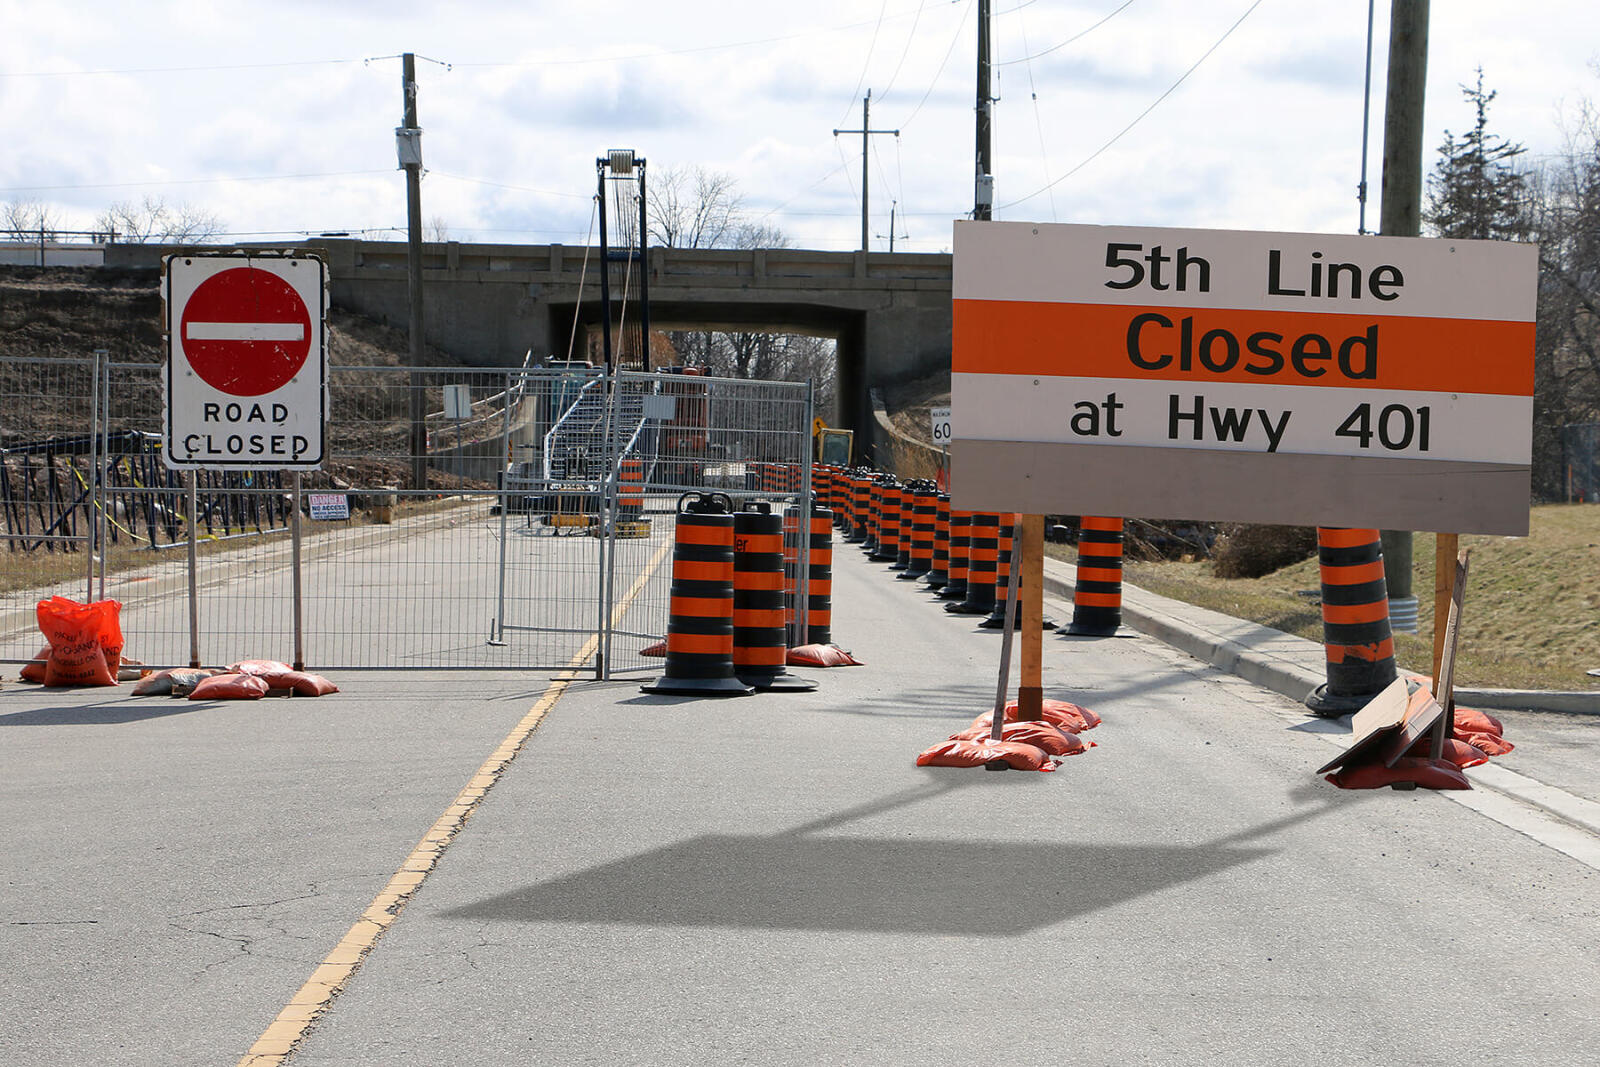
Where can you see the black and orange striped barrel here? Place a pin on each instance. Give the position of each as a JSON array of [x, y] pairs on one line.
[[860, 506], [924, 521], [874, 514], [955, 586], [1356, 634], [983, 563], [939, 573], [1004, 561], [760, 634], [1097, 593], [630, 488], [889, 532], [819, 571], [700, 616]]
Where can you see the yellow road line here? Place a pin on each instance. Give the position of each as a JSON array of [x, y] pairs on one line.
[[295, 1021]]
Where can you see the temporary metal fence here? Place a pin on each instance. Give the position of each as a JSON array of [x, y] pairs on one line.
[[539, 540]]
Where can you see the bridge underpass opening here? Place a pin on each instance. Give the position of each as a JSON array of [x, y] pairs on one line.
[[824, 345]]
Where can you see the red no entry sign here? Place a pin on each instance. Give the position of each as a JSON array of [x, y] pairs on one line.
[[246, 331], [246, 383]]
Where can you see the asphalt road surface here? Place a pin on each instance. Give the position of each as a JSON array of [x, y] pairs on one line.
[[598, 876]]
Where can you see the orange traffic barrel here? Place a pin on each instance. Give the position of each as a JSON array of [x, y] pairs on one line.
[[860, 504], [939, 573], [819, 571], [873, 516], [924, 520], [983, 563], [630, 488], [1355, 621], [760, 638], [955, 586], [1010, 553], [1097, 593], [700, 614], [889, 532]]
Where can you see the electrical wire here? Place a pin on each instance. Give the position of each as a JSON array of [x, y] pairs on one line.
[[190, 181], [1118, 136], [960, 25], [1038, 122], [1075, 37], [865, 63]]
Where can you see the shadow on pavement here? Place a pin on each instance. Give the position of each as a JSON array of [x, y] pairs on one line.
[[108, 713], [972, 888]]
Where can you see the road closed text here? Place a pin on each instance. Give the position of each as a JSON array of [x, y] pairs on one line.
[[237, 430]]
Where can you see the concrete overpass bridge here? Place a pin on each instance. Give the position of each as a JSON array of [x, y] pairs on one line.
[[489, 304]]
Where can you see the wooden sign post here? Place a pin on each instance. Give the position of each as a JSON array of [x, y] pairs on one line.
[[1030, 551]]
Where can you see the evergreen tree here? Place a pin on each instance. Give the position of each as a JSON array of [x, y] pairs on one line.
[[1475, 190]]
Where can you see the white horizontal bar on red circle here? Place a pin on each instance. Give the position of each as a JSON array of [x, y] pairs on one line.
[[245, 331]]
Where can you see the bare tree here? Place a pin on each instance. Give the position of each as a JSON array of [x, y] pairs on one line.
[[25, 219], [691, 207], [152, 220], [437, 231]]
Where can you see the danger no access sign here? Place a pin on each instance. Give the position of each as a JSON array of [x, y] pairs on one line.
[[246, 381]]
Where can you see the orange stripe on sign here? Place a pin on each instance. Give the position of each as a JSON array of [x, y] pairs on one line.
[[1226, 345]]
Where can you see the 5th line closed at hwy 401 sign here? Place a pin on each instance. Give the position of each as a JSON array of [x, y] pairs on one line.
[[246, 381], [1250, 377]]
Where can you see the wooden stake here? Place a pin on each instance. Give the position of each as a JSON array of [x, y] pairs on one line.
[[1446, 545], [1029, 547], [1444, 683]]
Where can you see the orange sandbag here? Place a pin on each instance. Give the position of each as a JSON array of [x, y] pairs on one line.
[[34, 672], [230, 687], [1426, 773], [959, 753], [303, 684], [265, 668], [1071, 717], [1457, 752], [657, 649], [821, 656], [1054, 740], [85, 641], [1473, 721], [1491, 744]]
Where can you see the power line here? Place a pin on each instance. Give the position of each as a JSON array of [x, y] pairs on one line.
[[1170, 89], [866, 62], [940, 72], [189, 181], [1075, 37]]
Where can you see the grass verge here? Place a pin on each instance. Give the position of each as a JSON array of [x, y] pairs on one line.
[[1531, 618]]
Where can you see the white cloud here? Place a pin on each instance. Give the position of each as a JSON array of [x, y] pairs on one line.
[[1264, 134]]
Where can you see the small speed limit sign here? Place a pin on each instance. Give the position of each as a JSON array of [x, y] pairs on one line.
[[941, 425]]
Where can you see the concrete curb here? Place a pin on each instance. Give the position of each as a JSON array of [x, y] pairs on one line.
[[1288, 665]]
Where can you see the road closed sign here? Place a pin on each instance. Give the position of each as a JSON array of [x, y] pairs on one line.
[[1252, 377], [246, 382]]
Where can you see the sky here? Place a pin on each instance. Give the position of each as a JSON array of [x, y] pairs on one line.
[[278, 118]]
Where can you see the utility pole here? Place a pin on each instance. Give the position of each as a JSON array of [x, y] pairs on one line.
[[983, 193], [865, 130], [1401, 214], [408, 145]]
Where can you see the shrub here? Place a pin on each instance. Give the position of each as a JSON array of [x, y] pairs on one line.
[[1248, 551]]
